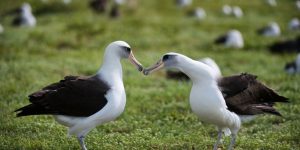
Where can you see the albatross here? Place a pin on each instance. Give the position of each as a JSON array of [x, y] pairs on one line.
[[25, 16], [224, 100], [271, 30], [82, 103], [232, 38]]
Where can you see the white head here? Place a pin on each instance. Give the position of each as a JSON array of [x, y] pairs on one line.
[[120, 50], [200, 13], [227, 10], [294, 24], [274, 29], [235, 39], [194, 69], [26, 8], [237, 12]]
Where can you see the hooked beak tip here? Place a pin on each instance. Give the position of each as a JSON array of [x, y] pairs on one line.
[[140, 68], [146, 72]]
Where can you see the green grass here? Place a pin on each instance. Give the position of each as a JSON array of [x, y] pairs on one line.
[[71, 39]]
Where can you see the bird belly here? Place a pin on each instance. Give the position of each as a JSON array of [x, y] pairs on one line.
[[114, 107]]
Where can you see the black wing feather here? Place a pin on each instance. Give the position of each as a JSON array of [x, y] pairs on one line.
[[73, 96], [245, 95]]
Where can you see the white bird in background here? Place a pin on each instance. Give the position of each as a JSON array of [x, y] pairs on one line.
[[272, 29], [233, 39], [298, 4], [237, 12], [293, 67], [227, 10], [200, 13], [119, 2], [294, 24], [224, 100], [25, 17], [66, 2], [1, 29], [183, 3], [272, 3]]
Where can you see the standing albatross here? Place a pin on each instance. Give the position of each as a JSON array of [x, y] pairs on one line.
[[221, 101], [82, 103]]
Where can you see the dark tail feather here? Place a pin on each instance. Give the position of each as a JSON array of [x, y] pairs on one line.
[[31, 109], [273, 112], [266, 109], [274, 97]]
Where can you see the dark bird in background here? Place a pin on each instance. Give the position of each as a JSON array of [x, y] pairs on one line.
[[288, 46], [98, 6], [293, 67], [115, 11]]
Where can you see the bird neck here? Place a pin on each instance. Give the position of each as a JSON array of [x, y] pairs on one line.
[[197, 71], [111, 68]]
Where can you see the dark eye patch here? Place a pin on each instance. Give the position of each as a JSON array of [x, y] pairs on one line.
[[166, 57], [126, 48]]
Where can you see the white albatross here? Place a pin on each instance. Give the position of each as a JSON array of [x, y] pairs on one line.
[[224, 100], [82, 103], [232, 38], [25, 16]]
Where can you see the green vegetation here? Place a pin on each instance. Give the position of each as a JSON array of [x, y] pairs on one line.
[[70, 39]]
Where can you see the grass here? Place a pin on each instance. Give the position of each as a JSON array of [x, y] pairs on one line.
[[71, 39]]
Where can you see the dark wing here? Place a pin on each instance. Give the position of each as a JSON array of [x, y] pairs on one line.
[[73, 96], [288, 46], [98, 5], [290, 65], [17, 21], [262, 30], [221, 39], [245, 95]]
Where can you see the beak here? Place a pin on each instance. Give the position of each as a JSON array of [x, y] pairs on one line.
[[160, 64], [133, 60]]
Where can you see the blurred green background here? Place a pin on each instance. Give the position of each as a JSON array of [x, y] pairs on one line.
[[70, 39]]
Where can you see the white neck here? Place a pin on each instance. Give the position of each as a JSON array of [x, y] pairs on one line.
[[111, 69], [197, 71]]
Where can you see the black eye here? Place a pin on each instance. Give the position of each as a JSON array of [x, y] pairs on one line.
[[166, 57], [127, 49]]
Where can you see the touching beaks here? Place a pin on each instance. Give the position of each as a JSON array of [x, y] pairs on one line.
[[135, 62], [156, 67]]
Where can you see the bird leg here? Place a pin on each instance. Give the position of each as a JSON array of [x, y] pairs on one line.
[[81, 142], [232, 142], [218, 140]]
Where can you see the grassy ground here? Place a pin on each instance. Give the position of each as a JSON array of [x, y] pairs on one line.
[[70, 40]]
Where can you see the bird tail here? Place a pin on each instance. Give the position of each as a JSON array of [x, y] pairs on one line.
[[30, 109]]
